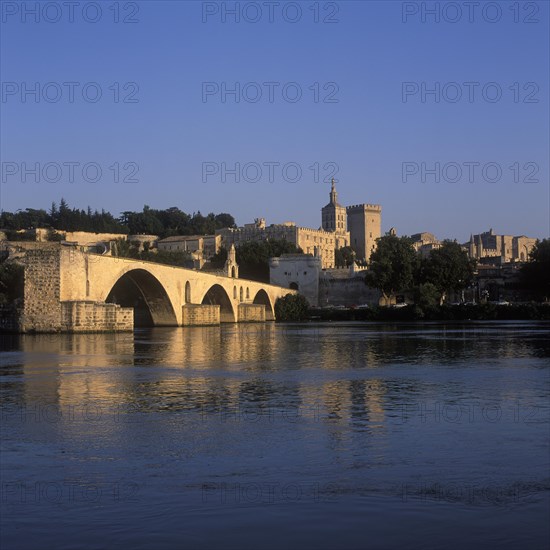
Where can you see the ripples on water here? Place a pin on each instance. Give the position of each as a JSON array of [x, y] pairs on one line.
[[339, 435]]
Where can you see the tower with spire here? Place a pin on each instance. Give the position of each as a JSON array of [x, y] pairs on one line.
[[333, 215]]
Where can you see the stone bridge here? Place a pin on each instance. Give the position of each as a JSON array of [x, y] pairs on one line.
[[67, 289]]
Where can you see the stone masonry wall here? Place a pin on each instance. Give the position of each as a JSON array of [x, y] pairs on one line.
[[83, 316], [251, 313], [346, 292], [42, 308], [200, 315]]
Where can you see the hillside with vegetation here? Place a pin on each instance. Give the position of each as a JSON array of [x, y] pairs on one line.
[[164, 223]]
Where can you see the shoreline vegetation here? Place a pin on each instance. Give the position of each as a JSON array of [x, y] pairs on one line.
[[463, 312], [295, 308]]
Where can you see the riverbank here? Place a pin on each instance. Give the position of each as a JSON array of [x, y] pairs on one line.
[[463, 312]]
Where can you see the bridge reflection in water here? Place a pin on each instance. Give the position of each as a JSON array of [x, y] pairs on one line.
[[191, 369], [345, 412], [209, 368]]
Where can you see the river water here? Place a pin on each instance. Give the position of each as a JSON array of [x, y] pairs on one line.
[[335, 435]]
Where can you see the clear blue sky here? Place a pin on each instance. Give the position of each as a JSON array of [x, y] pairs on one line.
[[369, 132]]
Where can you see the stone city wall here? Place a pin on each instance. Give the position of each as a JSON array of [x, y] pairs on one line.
[[346, 292]]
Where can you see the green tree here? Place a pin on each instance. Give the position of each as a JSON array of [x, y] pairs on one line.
[[131, 249], [292, 307], [392, 265], [219, 259], [125, 249], [224, 220], [11, 282], [535, 274], [54, 237], [448, 269], [426, 295], [253, 257], [164, 223], [344, 257]]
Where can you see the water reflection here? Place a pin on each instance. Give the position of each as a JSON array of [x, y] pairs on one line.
[[413, 414], [360, 378]]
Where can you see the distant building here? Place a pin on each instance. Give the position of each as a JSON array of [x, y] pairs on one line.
[[501, 248], [424, 243], [357, 226], [311, 241], [499, 282], [203, 247], [298, 272]]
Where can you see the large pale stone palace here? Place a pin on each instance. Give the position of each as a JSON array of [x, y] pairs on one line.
[[507, 248], [357, 226]]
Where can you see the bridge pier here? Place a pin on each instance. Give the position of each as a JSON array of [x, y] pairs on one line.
[[194, 315], [251, 313], [85, 316]]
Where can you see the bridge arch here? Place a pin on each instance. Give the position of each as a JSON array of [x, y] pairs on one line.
[[142, 291], [263, 299], [217, 295]]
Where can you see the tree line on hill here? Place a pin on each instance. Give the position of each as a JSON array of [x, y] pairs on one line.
[[164, 223]]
